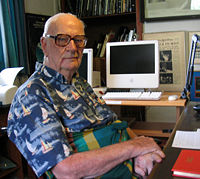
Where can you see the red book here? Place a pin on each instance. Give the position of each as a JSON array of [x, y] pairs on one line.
[[187, 164]]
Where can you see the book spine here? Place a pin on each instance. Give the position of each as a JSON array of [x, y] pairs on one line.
[[132, 5], [84, 8], [126, 5], [95, 8], [113, 7], [77, 7], [106, 7], [81, 8], [104, 46], [69, 7], [90, 11], [119, 6], [123, 6], [100, 7], [108, 38], [87, 8]]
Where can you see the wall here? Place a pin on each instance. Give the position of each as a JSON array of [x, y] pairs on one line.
[[42, 7], [181, 25], [168, 113]]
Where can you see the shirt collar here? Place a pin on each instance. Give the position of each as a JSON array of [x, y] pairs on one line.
[[49, 72]]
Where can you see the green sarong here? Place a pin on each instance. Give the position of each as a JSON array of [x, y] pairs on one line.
[[111, 134], [98, 138]]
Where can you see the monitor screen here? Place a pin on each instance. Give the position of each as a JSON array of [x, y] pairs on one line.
[[132, 64], [86, 68]]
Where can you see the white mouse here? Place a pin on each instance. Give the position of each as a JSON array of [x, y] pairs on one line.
[[172, 97]]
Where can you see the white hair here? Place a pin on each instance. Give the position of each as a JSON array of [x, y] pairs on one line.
[[53, 20]]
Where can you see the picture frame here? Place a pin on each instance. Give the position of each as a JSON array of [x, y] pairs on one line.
[[35, 27], [173, 54], [161, 10]]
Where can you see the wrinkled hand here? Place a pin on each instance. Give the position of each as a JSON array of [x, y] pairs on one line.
[[144, 145], [144, 163]]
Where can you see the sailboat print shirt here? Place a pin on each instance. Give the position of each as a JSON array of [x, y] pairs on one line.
[[44, 108]]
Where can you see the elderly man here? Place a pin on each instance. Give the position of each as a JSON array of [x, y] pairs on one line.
[[61, 127]]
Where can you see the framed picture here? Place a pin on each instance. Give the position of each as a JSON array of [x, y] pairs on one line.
[[35, 26], [173, 59], [159, 10]]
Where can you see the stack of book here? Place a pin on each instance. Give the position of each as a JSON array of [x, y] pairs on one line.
[[84, 8]]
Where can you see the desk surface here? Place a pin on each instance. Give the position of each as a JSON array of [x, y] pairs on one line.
[[189, 121], [162, 102]]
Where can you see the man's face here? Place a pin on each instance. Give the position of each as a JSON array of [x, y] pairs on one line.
[[68, 58]]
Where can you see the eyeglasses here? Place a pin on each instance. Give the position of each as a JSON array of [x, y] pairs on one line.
[[62, 40]]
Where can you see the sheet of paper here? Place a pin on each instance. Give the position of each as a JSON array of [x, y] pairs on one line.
[[8, 75], [187, 139]]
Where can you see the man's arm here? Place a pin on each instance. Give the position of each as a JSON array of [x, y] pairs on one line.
[[97, 162]]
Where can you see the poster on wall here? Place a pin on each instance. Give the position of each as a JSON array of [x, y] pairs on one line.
[[173, 59], [35, 26]]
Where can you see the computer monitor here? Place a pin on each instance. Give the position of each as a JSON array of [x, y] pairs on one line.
[[86, 68], [132, 64]]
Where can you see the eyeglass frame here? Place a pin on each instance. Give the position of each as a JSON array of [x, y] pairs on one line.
[[70, 38]]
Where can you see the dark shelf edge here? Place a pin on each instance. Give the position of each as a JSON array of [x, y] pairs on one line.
[[108, 16]]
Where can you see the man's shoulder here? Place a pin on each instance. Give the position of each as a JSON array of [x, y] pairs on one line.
[[33, 80], [33, 85]]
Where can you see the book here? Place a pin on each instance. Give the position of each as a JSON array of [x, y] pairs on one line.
[[187, 164], [108, 38], [69, 7]]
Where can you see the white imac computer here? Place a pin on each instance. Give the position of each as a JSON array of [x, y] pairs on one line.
[[132, 64], [86, 68]]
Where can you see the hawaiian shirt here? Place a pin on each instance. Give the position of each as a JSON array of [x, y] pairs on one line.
[[44, 108]]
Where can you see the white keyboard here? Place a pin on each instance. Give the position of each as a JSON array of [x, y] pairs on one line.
[[133, 95]]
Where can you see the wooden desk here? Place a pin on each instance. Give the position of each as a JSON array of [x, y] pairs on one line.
[[189, 121], [179, 103]]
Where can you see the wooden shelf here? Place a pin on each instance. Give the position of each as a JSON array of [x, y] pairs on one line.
[[131, 14], [153, 129]]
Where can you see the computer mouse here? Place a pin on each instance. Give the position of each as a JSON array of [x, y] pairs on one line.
[[197, 108], [172, 97]]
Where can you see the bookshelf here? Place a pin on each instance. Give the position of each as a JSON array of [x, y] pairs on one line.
[[97, 26]]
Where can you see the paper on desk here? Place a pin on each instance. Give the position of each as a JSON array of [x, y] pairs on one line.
[[187, 139], [8, 75]]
